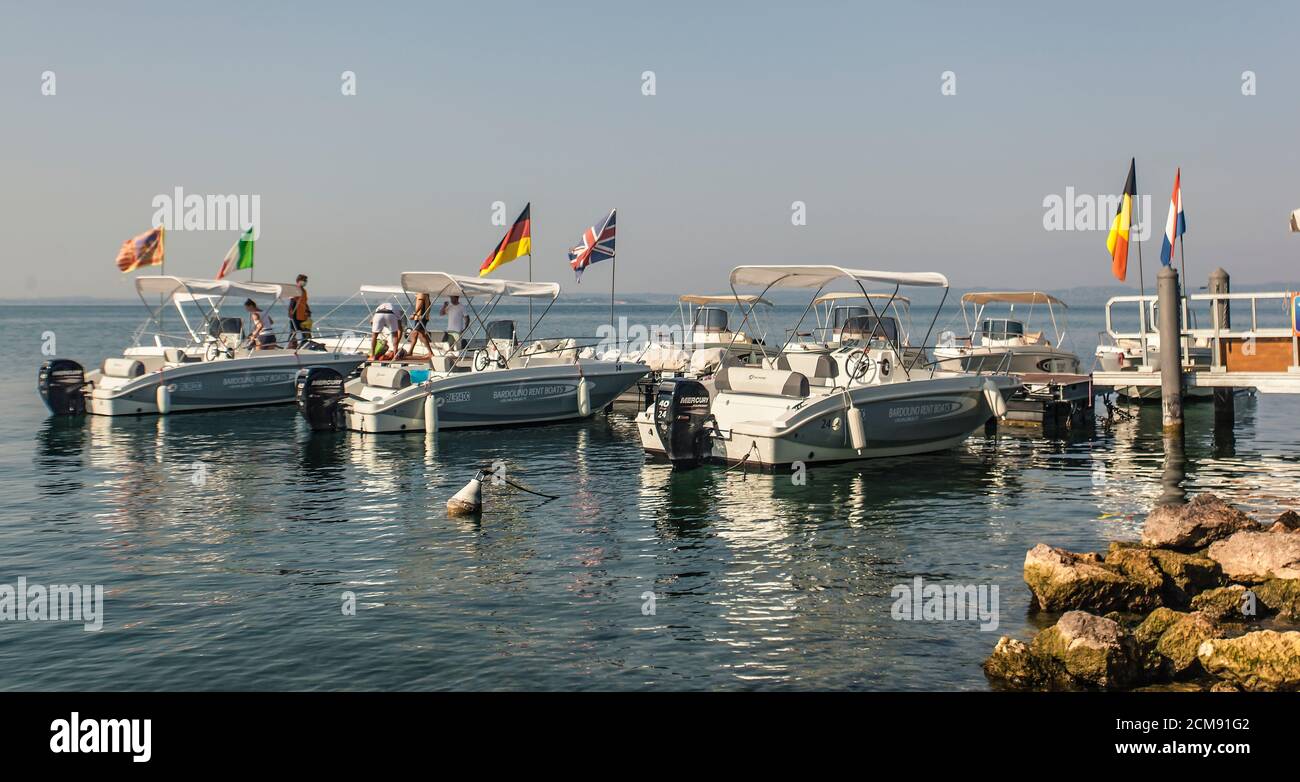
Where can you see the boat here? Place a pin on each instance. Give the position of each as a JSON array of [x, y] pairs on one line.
[[856, 399], [855, 316], [1139, 352], [1005, 342], [204, 363], [707, 343], [490, 378]]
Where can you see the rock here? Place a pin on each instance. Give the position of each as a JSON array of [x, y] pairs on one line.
[[1258, 556], [1289, 520], [1194, 525], [1265, 660], [1092, 650], [1223, 687], [1223, 603], [1062, 580], [1186, 574], [1280, 596], [1012, 663], [1168, 641]]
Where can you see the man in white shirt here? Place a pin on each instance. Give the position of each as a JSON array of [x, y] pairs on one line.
[[456, 319], [385, 319]]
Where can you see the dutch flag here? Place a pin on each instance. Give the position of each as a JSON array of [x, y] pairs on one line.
[[1176, 225]]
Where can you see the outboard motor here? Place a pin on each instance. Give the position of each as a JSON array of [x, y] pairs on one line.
[[681, 416], [319, 391], [62, 384]]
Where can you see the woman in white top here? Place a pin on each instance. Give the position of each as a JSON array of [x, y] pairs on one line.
[[261, 337]]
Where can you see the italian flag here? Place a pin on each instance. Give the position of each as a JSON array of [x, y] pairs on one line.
[[240, 255]]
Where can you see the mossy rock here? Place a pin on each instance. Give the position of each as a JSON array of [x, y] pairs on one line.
[[1262, 661], [1222, 603], [1093, 651], [1280, 596]]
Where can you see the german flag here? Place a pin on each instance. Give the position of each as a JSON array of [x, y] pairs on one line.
[[517, 243], [1117, 241]]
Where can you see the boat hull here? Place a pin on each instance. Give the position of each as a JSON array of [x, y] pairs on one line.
[[498, 398], [215, 385]]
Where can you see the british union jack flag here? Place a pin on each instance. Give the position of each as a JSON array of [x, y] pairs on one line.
[[597, 245]]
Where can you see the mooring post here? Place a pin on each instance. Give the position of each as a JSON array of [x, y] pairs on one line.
[[1171, 363], [1224, 407]]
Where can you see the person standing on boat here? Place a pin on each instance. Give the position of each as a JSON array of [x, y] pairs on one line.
[[261, 337], [420, 324], [299, 314], [456, 319], [385, 320]]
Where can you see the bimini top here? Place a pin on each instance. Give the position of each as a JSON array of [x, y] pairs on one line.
[[842, 295], [439, 284], [817, 276], [724, 298], [174, 286], [1012, 297], [383, 290]]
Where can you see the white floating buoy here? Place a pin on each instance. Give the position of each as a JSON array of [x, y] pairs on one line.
[[994, 398], [584, 398], [163, 396], [468, 500], [430, 414], [857, 428]]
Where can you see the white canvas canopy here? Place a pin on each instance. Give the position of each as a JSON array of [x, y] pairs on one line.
[[725, 298], [439, 284], [843, 295], [169, 287], [1012, 297], [817, 276]]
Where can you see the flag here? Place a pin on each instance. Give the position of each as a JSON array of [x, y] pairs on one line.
[[144, 250], [517, 243], [1117, 240], [1295, 221], [1176, 225], [597, 245], [240, 255]]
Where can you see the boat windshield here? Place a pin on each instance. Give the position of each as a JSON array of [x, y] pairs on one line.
[[710, 319], [501, 329], [841, 315], [868, 327], [1001, 328]]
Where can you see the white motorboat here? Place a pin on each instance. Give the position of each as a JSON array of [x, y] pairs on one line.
[[490, 377], [1139, 351], [206, 364], [855, 399], [1006, 342]]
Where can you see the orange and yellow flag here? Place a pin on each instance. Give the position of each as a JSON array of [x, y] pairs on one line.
[[517, 243], [144, 250], [1117, 240]]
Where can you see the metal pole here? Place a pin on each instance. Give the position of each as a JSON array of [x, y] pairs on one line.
[[1171, 366], [613, 268], [1224, 406]]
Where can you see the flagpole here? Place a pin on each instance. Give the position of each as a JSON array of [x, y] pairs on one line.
[[1142, 282], [613, 269]]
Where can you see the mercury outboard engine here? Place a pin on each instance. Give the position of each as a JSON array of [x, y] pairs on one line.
[[319, 391], [62, 384], [681, 417]]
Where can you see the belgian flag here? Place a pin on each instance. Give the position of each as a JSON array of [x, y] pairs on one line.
[[517, 243], [1117, 241]]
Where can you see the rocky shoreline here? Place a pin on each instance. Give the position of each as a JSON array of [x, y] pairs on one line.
[[1208, 600]]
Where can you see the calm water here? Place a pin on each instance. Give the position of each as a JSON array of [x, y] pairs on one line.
[[238, 583]]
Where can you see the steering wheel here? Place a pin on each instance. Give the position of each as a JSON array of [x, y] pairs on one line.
[[214, 351], [480, 360], [859, 366]]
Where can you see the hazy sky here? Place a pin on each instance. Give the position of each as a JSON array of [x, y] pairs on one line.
[[757, 105]]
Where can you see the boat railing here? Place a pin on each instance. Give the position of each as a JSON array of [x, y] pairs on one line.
[[1269, 322]]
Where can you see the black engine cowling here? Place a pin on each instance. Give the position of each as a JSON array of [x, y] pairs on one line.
[[681, 416], [62, 384], [319, 391]]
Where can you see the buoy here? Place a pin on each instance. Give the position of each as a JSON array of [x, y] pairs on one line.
[[468, 500], [584, 398], [857, 428], [430, 414], [163, 396], [994, 398]]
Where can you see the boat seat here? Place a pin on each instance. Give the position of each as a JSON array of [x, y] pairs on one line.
[[386, 377], [122, 367], [763, 382]]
